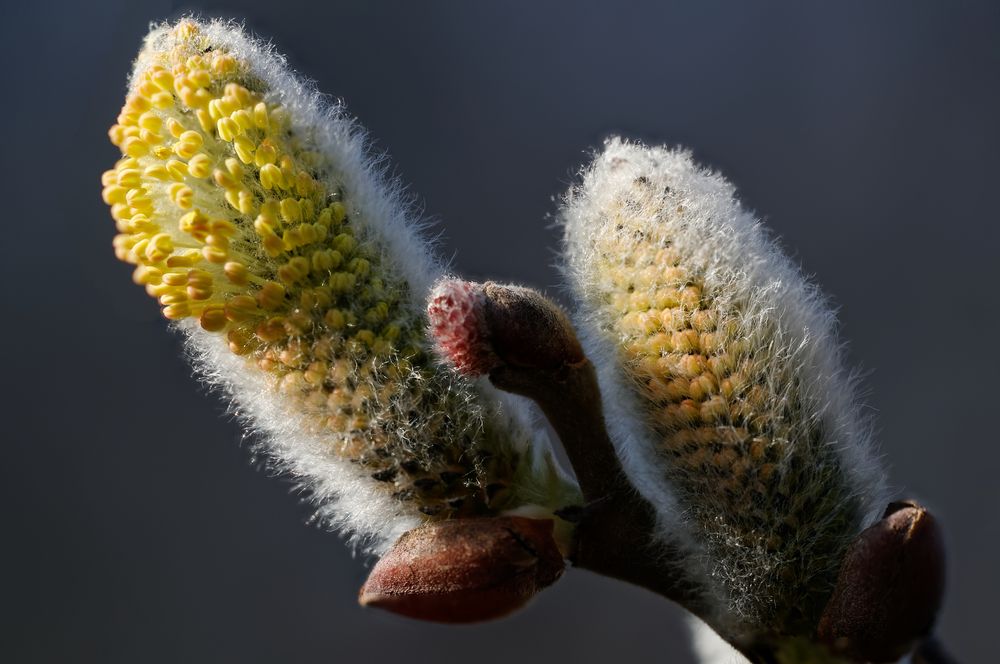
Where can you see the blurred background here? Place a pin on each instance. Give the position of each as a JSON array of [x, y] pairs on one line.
[[136, 529]]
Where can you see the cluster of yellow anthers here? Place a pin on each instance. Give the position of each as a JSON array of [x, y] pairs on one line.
[[732, 443], [232, 218]]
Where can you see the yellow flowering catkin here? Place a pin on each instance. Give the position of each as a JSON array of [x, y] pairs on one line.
[[254, 218], [723, 385]]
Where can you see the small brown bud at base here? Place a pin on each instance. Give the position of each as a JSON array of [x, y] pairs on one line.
[[465, 570], [889, 589], [527, 329]]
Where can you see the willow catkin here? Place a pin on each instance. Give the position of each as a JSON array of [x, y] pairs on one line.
[[723, 385], [256, 218]]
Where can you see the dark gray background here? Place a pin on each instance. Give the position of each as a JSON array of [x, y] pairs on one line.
[[135, 530]]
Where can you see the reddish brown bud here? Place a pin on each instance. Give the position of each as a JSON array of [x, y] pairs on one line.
[[889, 589], [527, 329], [465, 570]]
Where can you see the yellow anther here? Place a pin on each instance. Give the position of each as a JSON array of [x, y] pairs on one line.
[[185, 258], [135, 147], [234, 168], [160, 246], [130, 178], [294, 270], [163, 80], [260, 116], [109, 178], [137, 104], [140, 223], [175, 128], [224, 179], [308, 210], [172, 297], [342, 282], [181, 195], [157, 172], [151, 122], [175, 279], [241, 308], [271, 177], [185, 149], [200, 78], [228, 129], [194, 223], [246, 202], [218, 241], [303, 184], [271, 330], [265, 154], [177, 311], [287, 166], [186, 30], [223, 64], [150, 137], [162, 100], [215, 109], [205, 120], [199, 294], [147, 89], [243, 119], [344, 243], [213, 319], [360, 267], [199, 278], [138, 200], [271, 295], [200, 165], [114, 194], [244, 149], [236, 273], [127, 118], [178, 170], [240, 341], [291, 238], [215, 255], [146, 275], [186, 93], [120, 211], [241, 94], [290, 210], [162, 152]]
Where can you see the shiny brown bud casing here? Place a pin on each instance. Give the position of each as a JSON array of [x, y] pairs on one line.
[[889, 589], [465, 570]]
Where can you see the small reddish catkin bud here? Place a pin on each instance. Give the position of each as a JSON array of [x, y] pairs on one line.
[[479, 327], [455, 311], [465, 570]]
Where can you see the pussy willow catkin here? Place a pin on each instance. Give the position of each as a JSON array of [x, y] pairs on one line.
[[257, 220], [723, 385]]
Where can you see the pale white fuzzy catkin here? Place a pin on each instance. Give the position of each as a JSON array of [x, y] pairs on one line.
[[256, 213], [724, 385]]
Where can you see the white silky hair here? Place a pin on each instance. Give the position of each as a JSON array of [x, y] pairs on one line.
[[345, 496], [737, 258]]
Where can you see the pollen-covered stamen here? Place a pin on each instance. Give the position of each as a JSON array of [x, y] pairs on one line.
[[455, 312]]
